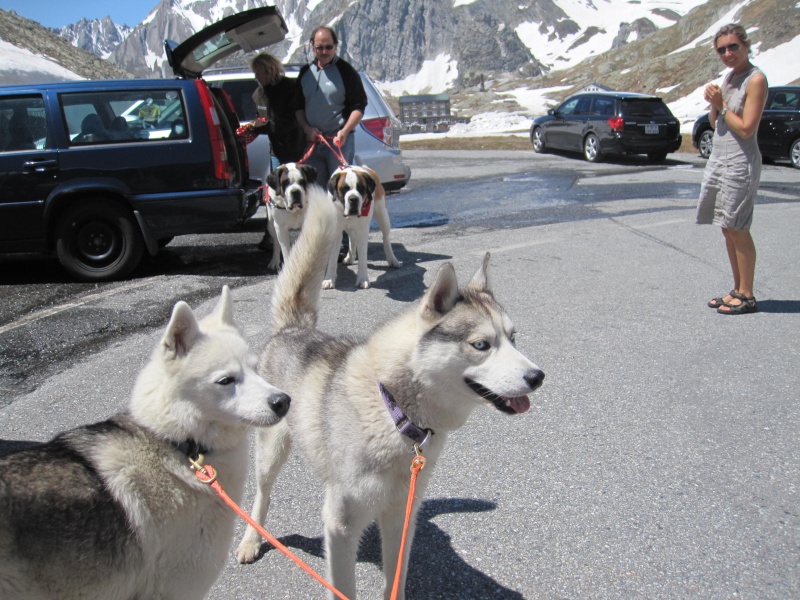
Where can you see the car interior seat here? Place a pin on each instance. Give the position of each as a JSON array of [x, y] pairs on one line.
[[19, 134], [779, 101], [92, 129]]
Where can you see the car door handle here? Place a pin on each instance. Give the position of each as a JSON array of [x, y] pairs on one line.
[[40, 166]]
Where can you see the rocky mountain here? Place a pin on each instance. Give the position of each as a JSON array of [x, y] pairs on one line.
[[468, 46], [393, 40], [38, 45], [627, 44], [98, 36]]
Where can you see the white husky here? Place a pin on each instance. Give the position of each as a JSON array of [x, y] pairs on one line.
[[360, 406], [112, 511]]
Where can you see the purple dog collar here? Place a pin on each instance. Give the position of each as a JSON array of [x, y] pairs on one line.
[[401, 421]]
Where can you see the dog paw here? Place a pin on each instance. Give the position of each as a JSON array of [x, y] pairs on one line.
[[327, 284], [347, 260], [248, 551], [274, 265], [363, 285], [393, 262]]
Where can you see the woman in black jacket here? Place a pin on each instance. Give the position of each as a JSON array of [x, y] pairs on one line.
[[275, 100]]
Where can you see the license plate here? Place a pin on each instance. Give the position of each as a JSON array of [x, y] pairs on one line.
[[650, 129]]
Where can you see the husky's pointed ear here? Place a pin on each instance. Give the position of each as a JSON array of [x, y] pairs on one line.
[[182, 331], [480, 281], [224, 309], [442, 295]]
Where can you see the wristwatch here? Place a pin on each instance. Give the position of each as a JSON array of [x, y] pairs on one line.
[[723, 112]]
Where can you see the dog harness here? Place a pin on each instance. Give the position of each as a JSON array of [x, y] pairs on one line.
[[404, 425]]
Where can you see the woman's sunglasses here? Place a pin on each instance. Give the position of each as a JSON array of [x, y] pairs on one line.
[[331, 47], [723, 49]]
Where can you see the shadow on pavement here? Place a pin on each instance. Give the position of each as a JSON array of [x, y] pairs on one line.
[[779, 306], [436, 570]]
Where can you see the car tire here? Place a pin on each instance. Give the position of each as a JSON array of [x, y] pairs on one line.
[[98, 240], [794, 153], [537, 139], [591, 148], [705, 143], [656, 156]]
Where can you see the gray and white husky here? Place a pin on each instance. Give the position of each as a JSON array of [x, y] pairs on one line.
[[112, 511], [360, 406]]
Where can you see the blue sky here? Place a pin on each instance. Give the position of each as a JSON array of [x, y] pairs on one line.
[[58, 13]]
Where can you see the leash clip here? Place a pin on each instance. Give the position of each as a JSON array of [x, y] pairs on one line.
[[201, 472]]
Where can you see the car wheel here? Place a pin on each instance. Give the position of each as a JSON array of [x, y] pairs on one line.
[[591, 148], [537, 139], [656, 156], [98, 239], [794, 153], [706, 143]]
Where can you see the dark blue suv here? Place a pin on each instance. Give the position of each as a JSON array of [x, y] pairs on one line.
[[99, 172]]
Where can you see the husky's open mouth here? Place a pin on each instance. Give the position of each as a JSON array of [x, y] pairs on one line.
[[511, 406]]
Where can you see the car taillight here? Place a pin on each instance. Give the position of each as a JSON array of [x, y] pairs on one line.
[[617, 124], [381, 128], [218, 153]]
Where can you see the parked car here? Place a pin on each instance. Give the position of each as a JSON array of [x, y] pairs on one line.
[[98, 172], [377, 136], [778, 132], [603, 123]]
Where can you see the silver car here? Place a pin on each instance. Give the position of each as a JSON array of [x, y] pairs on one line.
[[377, 136]]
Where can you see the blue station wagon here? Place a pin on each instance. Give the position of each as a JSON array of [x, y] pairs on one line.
[[98, 172]]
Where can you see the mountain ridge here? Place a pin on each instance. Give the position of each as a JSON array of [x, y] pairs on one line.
[[666, 53]]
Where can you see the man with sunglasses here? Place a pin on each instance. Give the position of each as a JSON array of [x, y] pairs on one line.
[[330, 101]]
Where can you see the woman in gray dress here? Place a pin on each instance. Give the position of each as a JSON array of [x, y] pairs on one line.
[[731, 177]]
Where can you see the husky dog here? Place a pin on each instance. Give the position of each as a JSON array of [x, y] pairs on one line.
[[288, 185], [358, 195], [360, 406], [113, 511]]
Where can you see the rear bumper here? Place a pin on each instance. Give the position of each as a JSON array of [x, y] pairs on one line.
[[643, 146]]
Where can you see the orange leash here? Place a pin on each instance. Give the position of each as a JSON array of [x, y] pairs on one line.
[[416, 466], [207, 474]]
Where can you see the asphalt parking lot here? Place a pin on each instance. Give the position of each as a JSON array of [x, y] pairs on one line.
[[659, 460]]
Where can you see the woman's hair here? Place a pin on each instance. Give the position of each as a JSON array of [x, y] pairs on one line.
[[735, 29], [269, 65], [324, 28]]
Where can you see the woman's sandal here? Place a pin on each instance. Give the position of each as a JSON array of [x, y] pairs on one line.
[[748, 305], [717, 302]]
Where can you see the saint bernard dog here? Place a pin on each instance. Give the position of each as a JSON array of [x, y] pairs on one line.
[[288, 185], [359, 197]]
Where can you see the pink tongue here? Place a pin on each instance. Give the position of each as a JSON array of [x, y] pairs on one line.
[[520, 404]]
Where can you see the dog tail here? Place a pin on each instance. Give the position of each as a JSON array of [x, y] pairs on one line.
[[297, 290]]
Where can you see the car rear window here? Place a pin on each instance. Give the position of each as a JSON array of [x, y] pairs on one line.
[[645, 108], [124, 116], [240, 91]]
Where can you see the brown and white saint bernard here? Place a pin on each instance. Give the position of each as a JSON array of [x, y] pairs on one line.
[[359, 196], [288, 185]]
